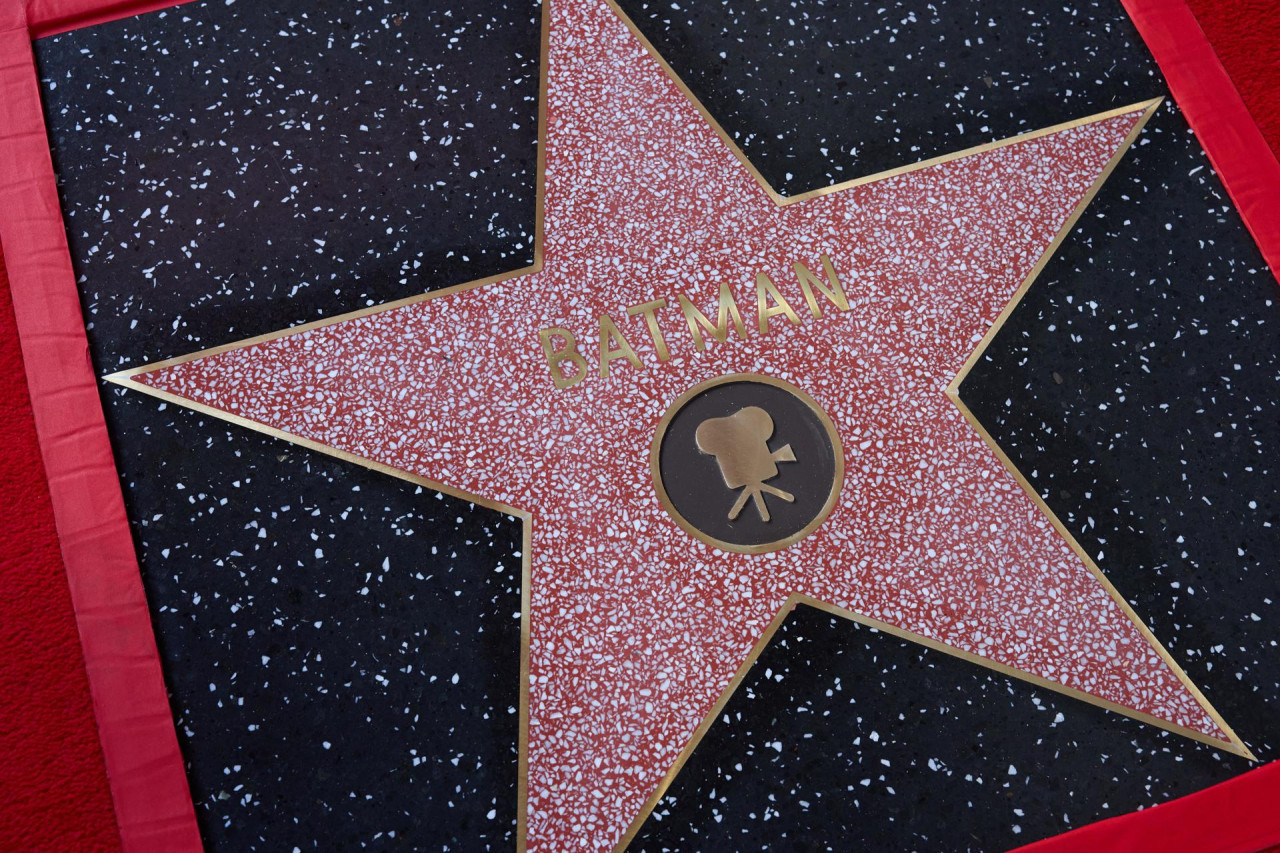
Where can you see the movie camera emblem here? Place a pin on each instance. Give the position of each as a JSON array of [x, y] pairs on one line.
[[747, 463]]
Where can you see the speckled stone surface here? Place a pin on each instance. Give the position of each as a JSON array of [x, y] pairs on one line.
[[261, 165], [819, 92], [844, 738], [312, 616], [1138, 387], [634, 629], [775, 88], [341, 647]]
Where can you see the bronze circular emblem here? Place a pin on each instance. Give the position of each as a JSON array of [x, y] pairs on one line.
[[747, 463]]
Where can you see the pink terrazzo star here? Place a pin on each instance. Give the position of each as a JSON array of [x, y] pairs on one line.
[[635, 627]]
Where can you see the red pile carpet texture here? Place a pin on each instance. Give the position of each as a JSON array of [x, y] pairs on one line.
[[53, 787]]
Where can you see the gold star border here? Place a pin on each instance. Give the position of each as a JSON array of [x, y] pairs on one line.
[[1235, 745]]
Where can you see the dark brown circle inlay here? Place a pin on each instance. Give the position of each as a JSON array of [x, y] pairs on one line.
[[747, 463]]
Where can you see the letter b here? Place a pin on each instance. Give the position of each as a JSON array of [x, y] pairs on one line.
[[556, 358]]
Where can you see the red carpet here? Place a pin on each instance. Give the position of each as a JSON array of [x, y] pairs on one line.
[[51, 771], [55, 794]]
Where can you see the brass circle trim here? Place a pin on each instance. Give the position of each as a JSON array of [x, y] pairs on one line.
[[837, 480]]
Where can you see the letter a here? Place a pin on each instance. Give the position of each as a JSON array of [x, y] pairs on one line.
[[766, 290], [609, 335]]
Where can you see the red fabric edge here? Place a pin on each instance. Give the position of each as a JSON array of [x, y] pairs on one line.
[[1216, 112], [50, 17], [1236, 816], [135, 725], [144, 765]]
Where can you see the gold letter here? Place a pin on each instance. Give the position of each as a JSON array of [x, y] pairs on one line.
[[720, 329], [608, 335], [568, 353], [764, 290], [808, 281], [650, 310]]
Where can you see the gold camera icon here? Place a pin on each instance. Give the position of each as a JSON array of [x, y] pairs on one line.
[[740, 444]]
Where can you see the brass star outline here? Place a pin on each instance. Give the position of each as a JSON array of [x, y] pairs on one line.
[[1235, 745]]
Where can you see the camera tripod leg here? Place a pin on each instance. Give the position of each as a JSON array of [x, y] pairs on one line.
[[761, 507], [786, 496]]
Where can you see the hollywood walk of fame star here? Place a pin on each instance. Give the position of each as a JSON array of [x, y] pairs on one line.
[[634, 629]]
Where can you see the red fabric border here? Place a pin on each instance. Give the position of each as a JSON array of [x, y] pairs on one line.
[[148, 782], [135, 725], [50, 17], [1216, 112], [51, 770], [1236, 816]]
